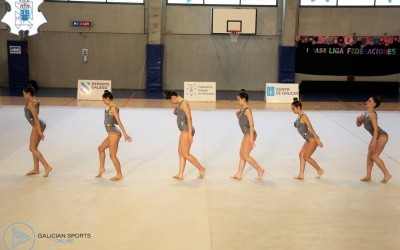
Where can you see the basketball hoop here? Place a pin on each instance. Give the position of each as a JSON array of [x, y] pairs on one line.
[[234, 35]]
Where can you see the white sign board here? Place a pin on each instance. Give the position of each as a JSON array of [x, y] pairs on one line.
[[92, 89], [281, 92], [200, 91]]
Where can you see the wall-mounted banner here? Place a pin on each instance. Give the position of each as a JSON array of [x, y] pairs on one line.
[[92, 89], [281, 92], [348, 55], [24, 16], [200, 91]]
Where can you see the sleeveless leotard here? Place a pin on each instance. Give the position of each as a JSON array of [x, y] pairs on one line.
[[368, 125], [109, 121], [303, 129], [244, 122], [181, 119], [29, 116]]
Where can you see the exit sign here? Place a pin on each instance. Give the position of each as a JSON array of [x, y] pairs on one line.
[[81, 23]]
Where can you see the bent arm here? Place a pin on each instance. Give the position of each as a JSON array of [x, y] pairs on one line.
[[249, 116], [32, 108], [188, 114], [115, 113]]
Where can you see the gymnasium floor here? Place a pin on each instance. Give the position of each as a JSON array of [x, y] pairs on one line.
[[149, 210]]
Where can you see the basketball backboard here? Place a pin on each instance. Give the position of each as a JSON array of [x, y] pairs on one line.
[[225, 20]]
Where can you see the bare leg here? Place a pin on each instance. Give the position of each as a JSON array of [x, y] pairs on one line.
[[302, 153], [246, 156], [185, 148], [34, 143], [370, 164], [113, 147], [380, 145], [102, 155], [310, 149], [182, 164], [35, 140], [242, 162]]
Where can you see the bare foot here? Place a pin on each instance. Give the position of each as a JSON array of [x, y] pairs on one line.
[[299, 177], [177, 177], [117, 178], [236, 177], [320, 173], [386, 178], [101, 171], [260, 174], [202, 173], [366, 178], [33, 172], [47, 172]]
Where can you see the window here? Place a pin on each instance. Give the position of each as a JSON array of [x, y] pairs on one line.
[[387, 3], [318, 2], [125, 1], [344, 3], [98, 1], [225, 2], [185, 1], [259, 2], [356, 2], [222, 2]]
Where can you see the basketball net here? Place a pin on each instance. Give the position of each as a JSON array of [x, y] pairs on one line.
[[234, 35]]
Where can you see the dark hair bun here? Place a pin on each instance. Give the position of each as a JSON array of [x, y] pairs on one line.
[[295, 99], [29, 89], [243, 90], [29, 86], [106, 91], [379, 97]]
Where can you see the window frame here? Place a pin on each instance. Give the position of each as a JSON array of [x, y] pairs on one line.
[[227, 5], [348, 6], [92, 2]]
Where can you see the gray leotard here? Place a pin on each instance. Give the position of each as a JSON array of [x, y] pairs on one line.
[[181, 119], [303, 129], [110, 123], [29, 116], [368, 125], [244, 122]]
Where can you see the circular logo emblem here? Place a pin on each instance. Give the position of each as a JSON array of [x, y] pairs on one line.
[[19, 236]]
